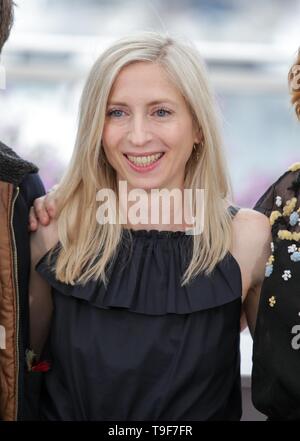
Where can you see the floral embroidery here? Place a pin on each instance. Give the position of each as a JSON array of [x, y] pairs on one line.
[[295, 257], [269, 270], [295, 252], [269, 265], [272, 301], [274, 216], [286, 275], [294, 167], [289, 206], [296, 236], [284, 221], [292, 248], [294, 218], [288, 235], [285, 235]]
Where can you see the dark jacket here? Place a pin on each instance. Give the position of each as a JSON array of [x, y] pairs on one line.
[[19, 186]]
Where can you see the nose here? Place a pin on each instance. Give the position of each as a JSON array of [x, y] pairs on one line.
[[139, 132]]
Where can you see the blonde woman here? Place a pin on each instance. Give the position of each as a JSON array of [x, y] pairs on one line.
[[276, 361], [143, 319]]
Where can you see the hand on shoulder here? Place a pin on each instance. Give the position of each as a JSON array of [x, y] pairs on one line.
[[44, 209], [42, 240]]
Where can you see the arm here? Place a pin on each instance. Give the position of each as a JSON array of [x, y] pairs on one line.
[[40, 299], [259, 252]]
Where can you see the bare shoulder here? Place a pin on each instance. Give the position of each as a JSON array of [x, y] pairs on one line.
[[251, 246], [251, 226], [41, 241], [249, 215]]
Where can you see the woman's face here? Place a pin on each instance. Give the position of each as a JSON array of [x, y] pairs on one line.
[[148, 132]]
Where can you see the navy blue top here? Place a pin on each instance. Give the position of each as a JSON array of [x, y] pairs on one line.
[[146, 348]]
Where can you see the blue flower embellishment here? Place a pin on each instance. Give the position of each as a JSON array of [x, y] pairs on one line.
[[295, 257], [269, 269], [294, 218]]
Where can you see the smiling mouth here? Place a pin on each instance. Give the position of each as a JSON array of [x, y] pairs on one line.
[[144, 161]]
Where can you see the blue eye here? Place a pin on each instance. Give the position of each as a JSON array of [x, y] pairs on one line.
[[163, 112], [116, 112]]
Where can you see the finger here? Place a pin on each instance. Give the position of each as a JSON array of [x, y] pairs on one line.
[[40, 211], [50, 205], [32, 220]]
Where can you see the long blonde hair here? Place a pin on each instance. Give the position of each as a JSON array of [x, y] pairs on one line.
[[295, 92], [88, 248]]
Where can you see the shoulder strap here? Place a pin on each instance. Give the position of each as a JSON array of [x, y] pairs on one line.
[[233, 210]]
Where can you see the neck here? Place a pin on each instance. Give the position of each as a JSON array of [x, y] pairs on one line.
[[164, 209]]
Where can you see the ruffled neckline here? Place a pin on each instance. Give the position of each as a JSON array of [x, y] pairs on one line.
[[152, 233], [148, 280]]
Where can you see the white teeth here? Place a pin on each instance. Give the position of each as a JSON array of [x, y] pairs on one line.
[[144, 160]]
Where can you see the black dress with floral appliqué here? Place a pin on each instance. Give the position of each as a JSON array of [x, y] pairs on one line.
[[145, 348], [276, 348]]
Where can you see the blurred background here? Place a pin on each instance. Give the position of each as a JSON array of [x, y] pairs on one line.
[[248, 46]]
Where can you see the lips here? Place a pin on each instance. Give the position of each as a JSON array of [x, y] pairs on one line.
[[142, 154], [144, 160], [141, 165]]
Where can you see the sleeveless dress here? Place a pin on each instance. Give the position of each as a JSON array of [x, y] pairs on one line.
[[145, 348], [276, 343]]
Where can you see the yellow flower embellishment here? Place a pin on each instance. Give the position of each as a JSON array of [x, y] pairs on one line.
[[294, 167], [296, 236], [284, 235], [274, 216], [288, 235], [272, 301], [289, 206], [270, 260]]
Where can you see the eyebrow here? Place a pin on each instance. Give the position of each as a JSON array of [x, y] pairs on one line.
[[152, 103]]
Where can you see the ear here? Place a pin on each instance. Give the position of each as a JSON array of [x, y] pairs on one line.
[[198, 138]]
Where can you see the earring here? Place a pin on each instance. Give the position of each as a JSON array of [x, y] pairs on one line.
[[196, 148]]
